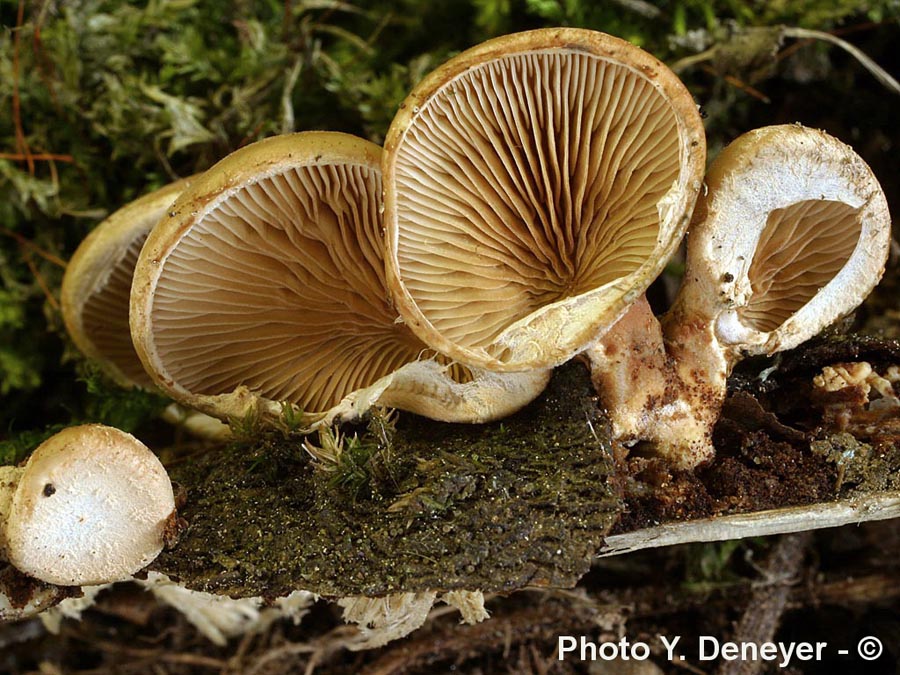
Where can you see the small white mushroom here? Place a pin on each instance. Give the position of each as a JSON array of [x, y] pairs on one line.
[[792, 233], [90, 506], [265, 284]]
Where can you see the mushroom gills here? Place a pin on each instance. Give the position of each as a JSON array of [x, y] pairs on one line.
[[97, 286], [534, 187], [273, 291], [792, 234], [801, 249], [106, 323], [96, 292]]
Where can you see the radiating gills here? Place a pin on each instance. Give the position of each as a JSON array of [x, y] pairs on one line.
[[280, 287], [527, 180], [801, 249]]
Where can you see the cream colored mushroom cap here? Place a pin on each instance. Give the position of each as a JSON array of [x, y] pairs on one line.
[[265, 283], [793, 234], [535, 185], [91, 507], [97, 285]]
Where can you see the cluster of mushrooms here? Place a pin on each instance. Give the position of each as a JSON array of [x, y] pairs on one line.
[[528, 193]]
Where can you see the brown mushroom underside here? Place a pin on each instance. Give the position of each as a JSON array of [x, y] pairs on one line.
[[527, 180], [280, 287], [801, 249], [105, 313]]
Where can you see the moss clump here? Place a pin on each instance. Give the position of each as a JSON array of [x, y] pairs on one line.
[[430, 506], [861, 467]]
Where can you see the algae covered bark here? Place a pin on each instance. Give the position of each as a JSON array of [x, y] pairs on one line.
[[428, 506]]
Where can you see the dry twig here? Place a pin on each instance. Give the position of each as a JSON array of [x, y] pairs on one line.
[[763, 614]]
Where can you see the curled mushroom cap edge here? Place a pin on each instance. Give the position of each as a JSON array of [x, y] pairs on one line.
[[568, 325], [91, 271], [791, 235]]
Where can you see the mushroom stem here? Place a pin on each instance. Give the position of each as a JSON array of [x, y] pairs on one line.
[[662, 388], [631, 371], [196, 423], [791, 234]]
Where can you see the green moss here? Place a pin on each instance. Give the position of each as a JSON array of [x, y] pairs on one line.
[[130, 95], [861, 467], [101, 401], [106, 403], [427, 506], [14, 450]]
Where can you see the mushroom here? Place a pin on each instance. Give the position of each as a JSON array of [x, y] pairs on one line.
[[90, 506], [97, 285], [95, 298], [535, 185], [792, 233], [265, 285]]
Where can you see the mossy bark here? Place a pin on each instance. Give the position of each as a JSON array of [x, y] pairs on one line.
[[492, 507]]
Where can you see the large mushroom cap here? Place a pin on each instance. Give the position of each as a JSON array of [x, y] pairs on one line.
[[97, 285], [266, 281], [534, 186], [90, 507], [792, 234]]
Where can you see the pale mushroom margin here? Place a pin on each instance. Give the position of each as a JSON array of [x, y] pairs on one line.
[[792, 234]]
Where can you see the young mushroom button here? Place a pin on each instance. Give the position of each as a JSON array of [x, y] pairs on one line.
[[265, 286], [535, 185], [90, 506], [791, 235]]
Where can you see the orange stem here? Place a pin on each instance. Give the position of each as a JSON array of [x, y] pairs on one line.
[[21, 143], [46, 255], [39, 157]]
